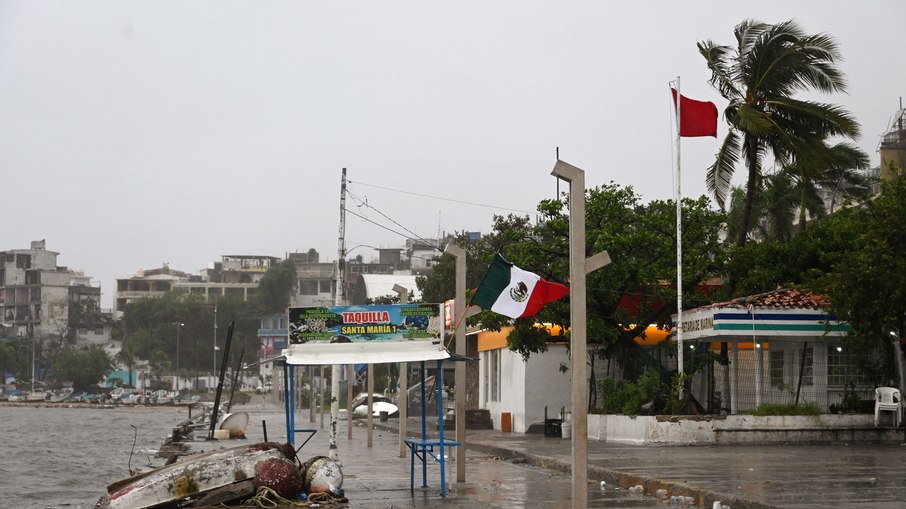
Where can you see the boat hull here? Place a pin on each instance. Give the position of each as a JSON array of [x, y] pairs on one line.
[[192, 476]]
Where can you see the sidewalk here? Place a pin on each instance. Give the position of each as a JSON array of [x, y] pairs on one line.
[[789, 476]]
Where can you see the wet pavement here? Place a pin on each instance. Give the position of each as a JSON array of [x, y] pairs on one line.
[[530, 470]]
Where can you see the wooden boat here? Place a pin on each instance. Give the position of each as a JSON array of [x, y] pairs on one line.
[[192, 476]]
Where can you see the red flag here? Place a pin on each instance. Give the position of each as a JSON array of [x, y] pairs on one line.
[[698, 118]]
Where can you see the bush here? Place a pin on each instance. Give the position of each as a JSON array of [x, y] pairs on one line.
[[628, 397]]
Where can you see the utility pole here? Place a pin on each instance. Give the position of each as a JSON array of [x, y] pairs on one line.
[[459, 401], [339, 283], [402, 385]]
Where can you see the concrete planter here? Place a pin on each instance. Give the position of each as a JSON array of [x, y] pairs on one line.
[[737, 429]]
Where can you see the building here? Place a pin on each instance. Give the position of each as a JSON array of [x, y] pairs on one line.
[[315, 280], [234, 276], [893, 144], [144, 284], [44, 301], [272, 336]]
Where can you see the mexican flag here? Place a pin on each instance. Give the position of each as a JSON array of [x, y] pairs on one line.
[[510, 291]]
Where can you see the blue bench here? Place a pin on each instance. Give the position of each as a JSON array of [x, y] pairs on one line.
[[424, 448]]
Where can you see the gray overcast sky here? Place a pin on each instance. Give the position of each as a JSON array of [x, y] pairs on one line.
[[138, 133]]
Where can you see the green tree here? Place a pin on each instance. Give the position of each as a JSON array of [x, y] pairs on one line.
[[833, 168], [83, 367], [127, 359], [867, 286], [12, 359], [148, 327], [641, 240], [159, 364], [276, 287], [759, 77]]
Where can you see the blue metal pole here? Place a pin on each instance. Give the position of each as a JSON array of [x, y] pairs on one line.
[[424, 428], [440, 424]]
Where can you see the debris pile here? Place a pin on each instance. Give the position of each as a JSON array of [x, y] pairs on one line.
[[265, 474]]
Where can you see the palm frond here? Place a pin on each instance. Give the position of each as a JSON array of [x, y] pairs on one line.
[[813, 119], [720, 173], [718, 60]]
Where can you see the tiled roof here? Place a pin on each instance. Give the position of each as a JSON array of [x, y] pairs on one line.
[[780, 299]]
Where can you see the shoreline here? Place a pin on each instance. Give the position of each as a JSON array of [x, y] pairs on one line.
[[69, 404]]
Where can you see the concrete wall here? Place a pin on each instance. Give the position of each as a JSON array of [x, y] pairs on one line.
[[526, 387], [738, 429]]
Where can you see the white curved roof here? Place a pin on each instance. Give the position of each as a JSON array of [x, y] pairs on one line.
[[379, 285]]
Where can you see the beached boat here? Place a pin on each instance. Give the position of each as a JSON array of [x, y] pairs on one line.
[[190, 477], [379, 403], [199, 426]]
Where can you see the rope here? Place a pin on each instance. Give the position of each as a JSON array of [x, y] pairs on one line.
[[268, 498]]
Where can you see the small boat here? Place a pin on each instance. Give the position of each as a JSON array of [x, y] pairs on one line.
[[198, 427], [379, 403], [192, 476], [235, 423]]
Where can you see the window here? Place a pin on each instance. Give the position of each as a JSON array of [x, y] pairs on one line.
[[308, 287], [494, 373], [807, 365], [776, 361], [326, 286], [841, 368]]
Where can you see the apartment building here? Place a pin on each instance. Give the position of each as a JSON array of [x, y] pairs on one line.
[[43, 301]]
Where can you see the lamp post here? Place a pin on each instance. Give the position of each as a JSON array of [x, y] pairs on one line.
[[178, 325], [214, 370]]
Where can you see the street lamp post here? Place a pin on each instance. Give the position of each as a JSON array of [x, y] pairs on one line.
[[178, 326], [214, 370]]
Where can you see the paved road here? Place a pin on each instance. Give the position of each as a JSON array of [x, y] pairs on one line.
[[377, 477], [519, 470]]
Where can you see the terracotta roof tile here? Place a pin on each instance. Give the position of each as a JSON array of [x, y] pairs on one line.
[[781, 299]]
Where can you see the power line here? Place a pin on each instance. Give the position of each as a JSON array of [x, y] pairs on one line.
[[391, 230], [366, 204], [443, 199]]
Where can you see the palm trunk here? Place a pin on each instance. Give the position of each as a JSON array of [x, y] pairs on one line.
[[802, 191], [751, 188]]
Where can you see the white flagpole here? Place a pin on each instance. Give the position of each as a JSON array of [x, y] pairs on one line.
[[679, 236]]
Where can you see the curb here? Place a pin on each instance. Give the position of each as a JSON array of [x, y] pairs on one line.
[[650, 485]]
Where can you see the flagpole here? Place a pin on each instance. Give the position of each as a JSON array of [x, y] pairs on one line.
[[679, 235]]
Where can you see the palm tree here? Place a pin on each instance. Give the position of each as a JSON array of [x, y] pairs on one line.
[[773, 211], [832, 168], [758, 78]]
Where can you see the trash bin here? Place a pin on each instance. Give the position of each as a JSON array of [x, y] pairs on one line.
[[565, 430]]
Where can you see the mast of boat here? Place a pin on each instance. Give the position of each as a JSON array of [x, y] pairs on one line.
[[235, 379]]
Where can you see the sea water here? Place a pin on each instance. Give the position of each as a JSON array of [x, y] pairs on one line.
[[59, 457]]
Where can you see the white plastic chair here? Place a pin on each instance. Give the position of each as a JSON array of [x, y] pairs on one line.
[[888, 399]]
